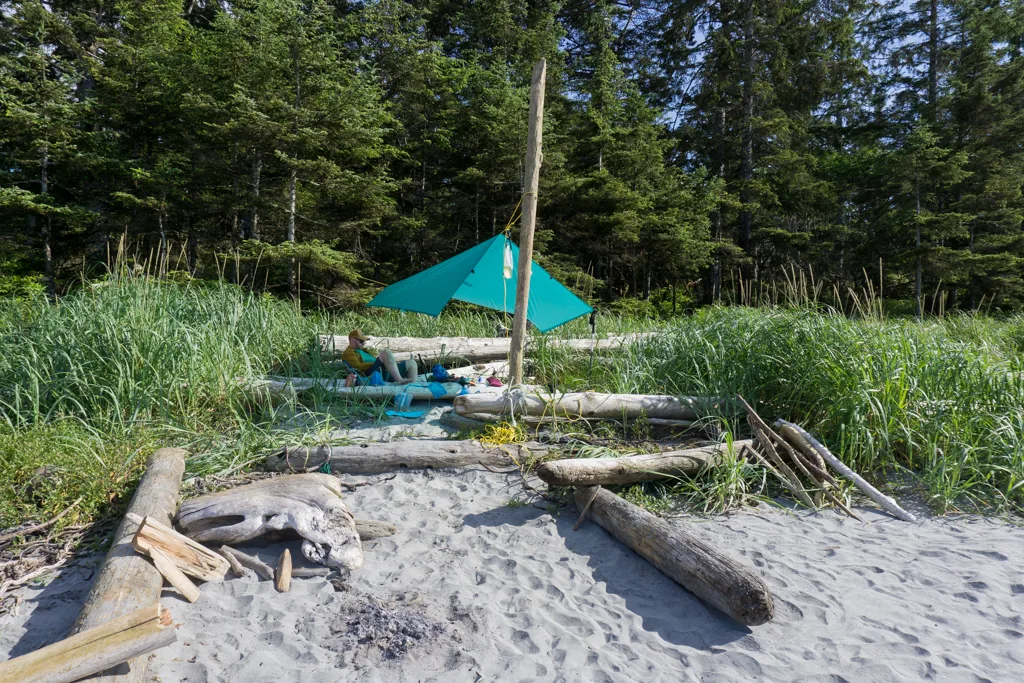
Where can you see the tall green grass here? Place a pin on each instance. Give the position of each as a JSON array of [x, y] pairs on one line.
[[91, 384], [940, 401]]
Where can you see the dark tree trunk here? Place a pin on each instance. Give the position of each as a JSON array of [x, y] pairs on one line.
[[44, 188], [743, 238]]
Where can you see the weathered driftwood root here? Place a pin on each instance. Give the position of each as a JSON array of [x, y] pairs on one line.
[[413, 454], [236, 567], [798, 434], [632, 468], [249, 562], [127, 581], [713, 577], [93, 650], [310, 504], [587, 405]]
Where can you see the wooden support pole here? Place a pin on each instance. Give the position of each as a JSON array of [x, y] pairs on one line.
[[716, 579], [534, 157], [632, 468], [127, 581], [128, 637]]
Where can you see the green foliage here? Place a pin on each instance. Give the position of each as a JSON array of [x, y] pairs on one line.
[[942, 400]]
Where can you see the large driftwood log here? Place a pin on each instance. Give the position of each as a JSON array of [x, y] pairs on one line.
[[587, 405], [289, 386], [412, 454], [310, 504], [796, 434], [127, 581], [479, 419], [94, 649], [716, 579], [632, 468], [471, 349]]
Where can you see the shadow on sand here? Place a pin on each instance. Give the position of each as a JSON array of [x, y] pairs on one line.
[[665, 607], [51, 610]]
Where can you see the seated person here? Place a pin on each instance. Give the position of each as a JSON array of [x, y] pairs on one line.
[[365, 364]]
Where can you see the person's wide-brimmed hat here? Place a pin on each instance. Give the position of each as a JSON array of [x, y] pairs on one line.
[[358, 334]]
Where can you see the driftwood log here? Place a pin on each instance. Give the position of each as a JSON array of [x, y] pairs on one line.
[[632, 468], [93, 650], [483, 418], [716, 579], [127, 581], [587, 405], [310, 504], [801, 438], [412, 454], [471, 349]]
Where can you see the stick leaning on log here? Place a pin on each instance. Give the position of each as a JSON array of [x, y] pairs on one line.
[[713, 577], [798, 434]]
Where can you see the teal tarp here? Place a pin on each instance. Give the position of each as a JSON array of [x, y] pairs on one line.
[[476, 276]]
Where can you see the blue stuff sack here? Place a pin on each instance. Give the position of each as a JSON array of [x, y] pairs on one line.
[[376, 380], [440, 374]]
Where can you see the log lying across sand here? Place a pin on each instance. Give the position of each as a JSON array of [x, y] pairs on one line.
[[413, 454], [632, 468], [587, 405], [471, 349], [127, 581], [716, 579], [94, 650]]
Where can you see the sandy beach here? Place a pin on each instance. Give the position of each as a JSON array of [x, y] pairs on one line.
[[477, 588]]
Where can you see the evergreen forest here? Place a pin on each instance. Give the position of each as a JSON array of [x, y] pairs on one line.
[[694, 150]]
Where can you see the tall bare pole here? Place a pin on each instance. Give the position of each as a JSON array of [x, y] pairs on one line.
[[533, 161]]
